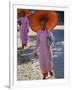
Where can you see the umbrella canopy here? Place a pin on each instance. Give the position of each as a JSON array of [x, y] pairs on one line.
[[50, 16]]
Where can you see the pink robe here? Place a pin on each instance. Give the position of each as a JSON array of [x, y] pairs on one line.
[[45, 53], [24, 29]]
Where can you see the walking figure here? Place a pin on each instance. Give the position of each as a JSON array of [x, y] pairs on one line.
[[45, 52], [24, 28]]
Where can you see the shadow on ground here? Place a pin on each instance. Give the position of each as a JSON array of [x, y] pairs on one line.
[[58, 54]]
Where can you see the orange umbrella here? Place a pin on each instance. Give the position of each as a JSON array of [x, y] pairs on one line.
[[35, 18], [19, 12]]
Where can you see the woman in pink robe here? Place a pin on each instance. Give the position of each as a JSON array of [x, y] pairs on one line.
[[24, 29], [45, 54]]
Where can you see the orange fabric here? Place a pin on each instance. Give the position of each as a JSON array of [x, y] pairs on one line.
[[45, 74], [19, 12], [51, 16], [27, 12]]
